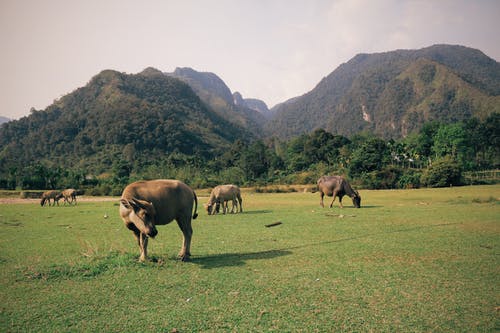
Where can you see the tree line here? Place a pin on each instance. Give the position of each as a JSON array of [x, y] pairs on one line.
[[435, 156]]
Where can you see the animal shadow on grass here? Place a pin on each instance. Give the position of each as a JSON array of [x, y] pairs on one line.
[[263, 211], [235, 259], [351, 207]]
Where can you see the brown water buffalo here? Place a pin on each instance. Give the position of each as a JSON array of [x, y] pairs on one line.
[[68, 194], [222, 194], [337, 186], [146, 204], [48, 195]]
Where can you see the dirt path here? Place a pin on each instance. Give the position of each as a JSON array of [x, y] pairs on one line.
[[6, 201]]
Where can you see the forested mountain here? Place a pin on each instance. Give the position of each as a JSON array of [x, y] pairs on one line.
[[377, 118], [395, 93], [115, 117], [216, 94]]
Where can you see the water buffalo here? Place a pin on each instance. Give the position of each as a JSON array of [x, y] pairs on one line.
[[68, 194], [146, 204], [221, 195], [337, 186], [48, 195]]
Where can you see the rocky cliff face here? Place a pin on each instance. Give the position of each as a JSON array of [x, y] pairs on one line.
[[251, 103]]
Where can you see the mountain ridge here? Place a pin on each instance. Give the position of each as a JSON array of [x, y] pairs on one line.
[[343, 100], [391, 94], [213, 91], [152, 114]]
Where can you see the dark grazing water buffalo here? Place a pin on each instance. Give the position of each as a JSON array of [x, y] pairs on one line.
[[146, 204], [337, 186], [48, 195]]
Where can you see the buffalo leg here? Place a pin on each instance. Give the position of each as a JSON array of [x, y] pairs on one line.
[[235, 203], [321, 194], [143, 244], [334, 195], [187, 232], [141, 240]]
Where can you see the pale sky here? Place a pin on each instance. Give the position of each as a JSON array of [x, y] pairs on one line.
[[267, 49]]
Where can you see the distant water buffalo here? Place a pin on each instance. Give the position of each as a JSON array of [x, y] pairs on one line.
[[337, 186], [222, 194], [146, 204], [47, 196], [68, 194]]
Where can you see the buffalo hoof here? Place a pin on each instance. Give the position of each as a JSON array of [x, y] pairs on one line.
[[184, 256]]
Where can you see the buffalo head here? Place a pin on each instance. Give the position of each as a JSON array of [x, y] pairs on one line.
[[210, 208], [356, 199], [142, 214]]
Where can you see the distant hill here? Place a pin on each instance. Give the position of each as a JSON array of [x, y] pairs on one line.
[[394, 93], [153, 116], [216, 94], [251, 103], [119, 116], [4, 120]]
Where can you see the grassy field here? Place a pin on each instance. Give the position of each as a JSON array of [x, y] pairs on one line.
[[408, 261]]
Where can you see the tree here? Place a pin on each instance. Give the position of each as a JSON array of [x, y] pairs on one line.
[[295, 157], [372, 155], [451, 140], [425, 139], [254, 161], [491, 140]]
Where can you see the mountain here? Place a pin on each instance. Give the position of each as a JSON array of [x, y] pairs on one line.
[[216, 94], [251, 103], [207, 85], [144, 116], [395, 93], [4, 120], [152, 117]]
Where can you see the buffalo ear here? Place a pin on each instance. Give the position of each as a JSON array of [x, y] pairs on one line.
[[141, 203], [126, 203], [136, 204], [132, 204]]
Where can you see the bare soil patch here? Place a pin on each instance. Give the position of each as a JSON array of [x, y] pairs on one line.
[[7, 201]]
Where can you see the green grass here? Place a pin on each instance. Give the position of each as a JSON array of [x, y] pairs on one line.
[[408, 261]]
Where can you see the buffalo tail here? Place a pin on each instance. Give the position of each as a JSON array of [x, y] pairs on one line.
[[195, 215]]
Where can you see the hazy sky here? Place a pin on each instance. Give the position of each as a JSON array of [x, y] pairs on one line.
[[267, 49]]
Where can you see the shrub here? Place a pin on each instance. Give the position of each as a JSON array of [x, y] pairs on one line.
[[231, 175], [381, 179], [409, 179], [442, 173], [100, 190]]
